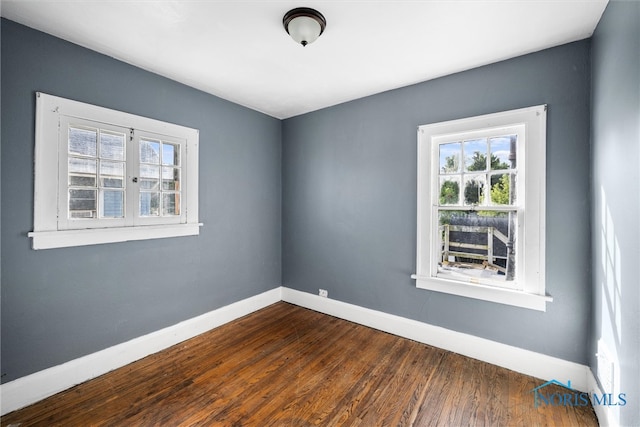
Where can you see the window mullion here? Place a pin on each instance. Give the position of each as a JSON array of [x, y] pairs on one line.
[[131, 187]]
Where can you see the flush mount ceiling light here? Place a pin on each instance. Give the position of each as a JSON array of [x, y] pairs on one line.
[[304, 24]]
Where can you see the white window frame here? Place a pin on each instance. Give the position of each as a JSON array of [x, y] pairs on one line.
[[51, 227], [529, 288]]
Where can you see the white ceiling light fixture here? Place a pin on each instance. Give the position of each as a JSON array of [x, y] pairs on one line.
[[304, 24]]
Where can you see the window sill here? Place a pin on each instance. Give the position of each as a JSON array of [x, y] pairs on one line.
[[96, 236], [484, 292]]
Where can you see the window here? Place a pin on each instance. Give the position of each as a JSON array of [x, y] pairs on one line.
[[104, 176], [481, 207]]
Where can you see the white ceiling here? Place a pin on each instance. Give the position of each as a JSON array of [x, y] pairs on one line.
[[239, 51]]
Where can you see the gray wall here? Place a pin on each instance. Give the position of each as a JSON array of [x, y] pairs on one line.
[[616, 198], [349, 199], [60, 304]]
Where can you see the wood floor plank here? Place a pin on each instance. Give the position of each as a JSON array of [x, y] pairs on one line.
[[331, 374], [289, 366], [266, 392]]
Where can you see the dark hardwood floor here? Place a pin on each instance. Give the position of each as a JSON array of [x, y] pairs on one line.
[[289, 366]]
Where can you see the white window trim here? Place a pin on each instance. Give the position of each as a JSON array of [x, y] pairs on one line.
[[532, 239], [46, 231]]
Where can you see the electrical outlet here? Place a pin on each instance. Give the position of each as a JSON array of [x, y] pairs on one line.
[[323, 293]]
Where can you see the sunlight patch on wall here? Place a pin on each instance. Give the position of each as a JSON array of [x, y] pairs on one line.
[[608, 363], [612, 270]]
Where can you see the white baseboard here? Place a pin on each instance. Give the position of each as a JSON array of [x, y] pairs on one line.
[[514, 358], [32, 388]]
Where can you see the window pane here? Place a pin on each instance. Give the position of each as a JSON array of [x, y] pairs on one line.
[[475, 155], [503, 149], [111, 204], [78, 180], [170, 204], [82, 203], [111, 174], [474, 189], [170, 178], [477, 245], [149, 204], [503, 189], [112, 145], [149, 151], [82, 172], [450, 157], [449, 191], [82, 141], [149, 177], [170, 154]]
